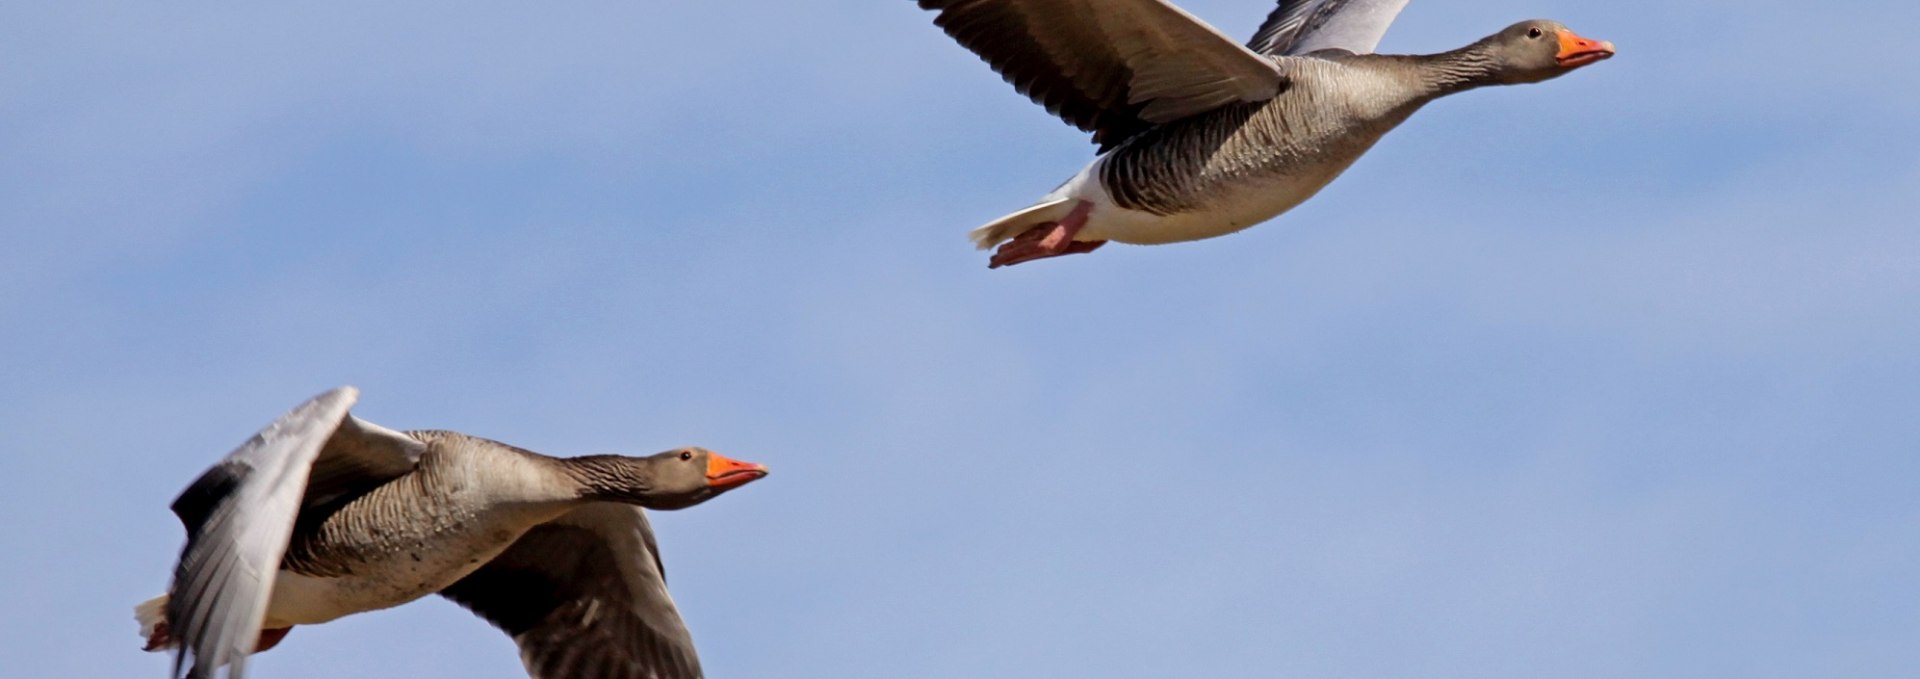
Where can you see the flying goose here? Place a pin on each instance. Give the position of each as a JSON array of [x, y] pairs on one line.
[[323, 514], [1201, 137]]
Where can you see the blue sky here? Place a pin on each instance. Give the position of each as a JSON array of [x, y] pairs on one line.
[[1608, 376]]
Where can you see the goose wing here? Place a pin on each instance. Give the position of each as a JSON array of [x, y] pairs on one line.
[[359, 457], [1302, 26], [239, 516], [584, 595], [1110, 67]]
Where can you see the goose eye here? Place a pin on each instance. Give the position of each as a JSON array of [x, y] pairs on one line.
[[1533, 32], [686, 454]]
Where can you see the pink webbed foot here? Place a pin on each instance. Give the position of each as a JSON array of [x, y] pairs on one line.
[[163, 638], [1049, 239], [1039, 243]]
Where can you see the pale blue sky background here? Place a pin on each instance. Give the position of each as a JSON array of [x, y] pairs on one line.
[[1611, 376]]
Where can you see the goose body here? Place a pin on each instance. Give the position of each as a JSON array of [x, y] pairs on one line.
[[322, 515], [1201, 137], [467, 501], [1220, 172]]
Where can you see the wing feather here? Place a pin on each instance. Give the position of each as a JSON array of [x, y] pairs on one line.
[[239, 516], [584, 596], [1302, 26], [1110, 67]]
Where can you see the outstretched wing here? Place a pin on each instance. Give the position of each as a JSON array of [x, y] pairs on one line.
[[1302, 26], [1110, 67], [240, 515], [584, 596]]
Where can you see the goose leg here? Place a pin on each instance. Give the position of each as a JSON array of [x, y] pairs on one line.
[[270, 638], [1050, 239], [163, 638]]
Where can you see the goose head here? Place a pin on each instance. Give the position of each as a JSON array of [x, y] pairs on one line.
[[675, 479], [1535, 50]]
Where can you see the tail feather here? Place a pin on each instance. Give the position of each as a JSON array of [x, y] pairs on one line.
[[152, 616], [1005, 228]]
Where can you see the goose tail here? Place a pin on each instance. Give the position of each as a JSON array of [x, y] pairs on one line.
[[1005, 228]]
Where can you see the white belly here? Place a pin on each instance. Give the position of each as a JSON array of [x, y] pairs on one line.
[[306, 600], [393, 580], [1232, 208], [1112, 222]]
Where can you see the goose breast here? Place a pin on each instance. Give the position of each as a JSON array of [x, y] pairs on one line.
[[409, 538]]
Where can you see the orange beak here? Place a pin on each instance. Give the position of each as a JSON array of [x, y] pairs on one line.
[[1576, 51], [724, 472]]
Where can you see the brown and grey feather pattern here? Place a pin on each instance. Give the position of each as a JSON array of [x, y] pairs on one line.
[[1112, 67], [1194, 164], [337, 538], [584, 596], [358, 457], [1163, 172]]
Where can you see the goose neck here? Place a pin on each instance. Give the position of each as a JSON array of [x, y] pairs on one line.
[[1458, 70], [609, 478]]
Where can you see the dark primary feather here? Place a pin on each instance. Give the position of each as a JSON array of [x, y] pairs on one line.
[[198, 501], [585, 597], [1112, 67], [1092, 97]]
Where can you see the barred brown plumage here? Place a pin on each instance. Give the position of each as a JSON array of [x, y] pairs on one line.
[[323, 515]]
